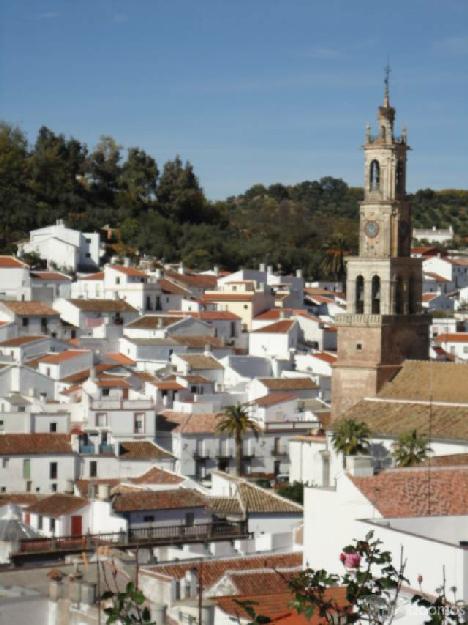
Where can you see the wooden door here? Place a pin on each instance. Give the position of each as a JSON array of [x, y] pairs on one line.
[[76, 525]]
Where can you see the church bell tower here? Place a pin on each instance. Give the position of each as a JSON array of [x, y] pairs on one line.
[[384, 323]]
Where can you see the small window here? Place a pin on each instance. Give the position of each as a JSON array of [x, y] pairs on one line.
[[117, 280], [359, 347], [25, 322], [2, 425], [139, 423], [54, 487], [52, 525], [167, 300], [148, 519], [48, 372], [40, 522], [246, 306], [88, 241], [3, 489], [52, 427], [105, 392], [93, 468], [5, 463], [53, 471], [88, 255], [101, 419]]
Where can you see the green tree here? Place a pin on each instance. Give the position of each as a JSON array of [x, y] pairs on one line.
[[350, 438], [235, 421], [410, 449], [179, 194], [104, 171], [137, 181], [127, 608], [294, 491]]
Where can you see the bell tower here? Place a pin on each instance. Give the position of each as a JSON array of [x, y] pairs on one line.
[[384, 323]]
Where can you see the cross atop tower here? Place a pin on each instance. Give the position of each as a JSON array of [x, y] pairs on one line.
[[387, 71]]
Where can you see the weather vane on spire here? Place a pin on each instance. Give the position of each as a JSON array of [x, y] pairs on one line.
[[387, 70]]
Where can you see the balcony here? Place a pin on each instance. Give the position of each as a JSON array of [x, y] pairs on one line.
[[87, 448], [105, 448]]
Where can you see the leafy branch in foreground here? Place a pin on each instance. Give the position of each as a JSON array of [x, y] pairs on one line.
[[127, 607]]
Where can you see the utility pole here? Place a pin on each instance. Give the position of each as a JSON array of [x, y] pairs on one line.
[[200, 592]]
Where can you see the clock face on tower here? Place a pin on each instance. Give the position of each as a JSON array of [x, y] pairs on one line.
[[371, 228]]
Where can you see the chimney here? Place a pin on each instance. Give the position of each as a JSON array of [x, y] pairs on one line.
[[270, 269], [158, 273], [360, 466], [207, 351], [216, 270], [299, 273], [181, 269], [160, 322], [261, 267], [126, 261]]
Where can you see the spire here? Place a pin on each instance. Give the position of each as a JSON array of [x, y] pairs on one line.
[[387, 86]]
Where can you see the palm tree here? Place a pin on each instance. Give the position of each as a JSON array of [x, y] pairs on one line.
[[350, 438], [235, 421], [410, 449]]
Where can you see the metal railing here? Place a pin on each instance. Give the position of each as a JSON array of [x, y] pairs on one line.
[[133, 537]]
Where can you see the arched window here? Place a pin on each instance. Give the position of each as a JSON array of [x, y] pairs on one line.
[[375, 295], [412, 303], [399, 295], [374, 176], [359, 301]]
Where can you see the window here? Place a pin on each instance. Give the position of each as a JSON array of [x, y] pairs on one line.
[[24, 322], [359, 296], [3, 489], [412, 303], [465, 349], [93, 468], [2, 425], [117, 280], [105, 392], [246, 306], [54, 487], [359, 347], [52, 525], [5, 463], [40, 522], [26, 468], [53, 470], [148, 303], [376, 295], [167, 300], [139, 423], [88, 241], [398, 296], [374, 176], [48, 372], [233, 329], [101, 419], [189, 519], [88, 255], [52, 427], [148, 519], [44, 325]]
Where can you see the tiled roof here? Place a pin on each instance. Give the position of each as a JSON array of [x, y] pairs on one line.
[[121, 359], [278, 313], [168, 385], [391, 418], [201, 362], [102, 305], [99, 275], [198, 342], [222, 296], [50, 275], [10, 262], [170, 287], [82, 485], [129, 271], [225, 506], [418, 379], [31, 308], [34, 444], [330, 358], [57, 505], [280, 327], [217, 315], [428, 297], [54, 359], [199, 281], [155, 475], [114, 382], [20, 499], [196, 379], [417, 492], [262, 581], [22, 340], [190, 423], [152, 322], [274, 398], [450, 460], [435, 276], [288, 384], [142, 450], [455, 337], [213, 570], [159, 500]]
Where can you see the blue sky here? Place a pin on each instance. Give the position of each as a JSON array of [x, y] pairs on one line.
[[248, 90]]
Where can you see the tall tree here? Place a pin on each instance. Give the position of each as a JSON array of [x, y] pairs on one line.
[[104, 170], [235, 421], [137, 181], [410, 449], [179, 194], [350, 438]]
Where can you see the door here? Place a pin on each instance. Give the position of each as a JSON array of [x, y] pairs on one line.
[[76, 526], [189, 519]]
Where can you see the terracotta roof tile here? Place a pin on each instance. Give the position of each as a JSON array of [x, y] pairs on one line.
[[213, 570], [201, 362], [50, 275], [57, 358], [190, 423], [102, 305], [194, 280], [155, 475], [273, 399], [159, 500], [22, 340], [10, 262], [417, 492], [225, 506], [262, 581], [330, 358], [31, 309], [57, 505], [222, 296], [142, 450], [114, 382], [167, 286], [33, 444], [99, 275], [121, 359], [288, 384], [198, 342], [152, 322], [129, 271], [450, 460], [280, 327], [455, 337]]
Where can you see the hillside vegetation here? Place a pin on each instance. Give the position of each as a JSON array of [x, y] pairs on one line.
[[163, 211]]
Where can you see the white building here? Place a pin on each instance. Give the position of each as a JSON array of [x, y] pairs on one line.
[[434, 234], [15, 282], [64, 248]]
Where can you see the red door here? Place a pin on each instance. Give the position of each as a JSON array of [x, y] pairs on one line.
[[27, 518], [76, 526]]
